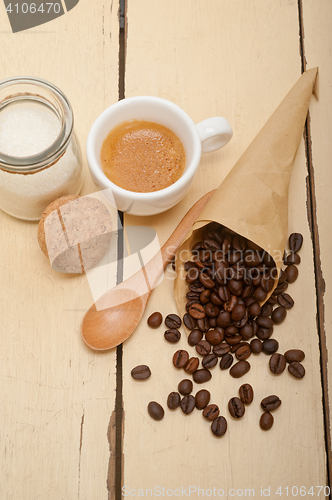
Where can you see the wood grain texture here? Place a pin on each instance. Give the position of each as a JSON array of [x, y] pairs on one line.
[[238, 60], [57, 396], [317, 44]]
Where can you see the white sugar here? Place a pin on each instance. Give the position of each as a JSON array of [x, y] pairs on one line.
[[26, 131]]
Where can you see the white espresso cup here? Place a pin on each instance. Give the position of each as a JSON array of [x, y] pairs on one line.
[[208, 135]]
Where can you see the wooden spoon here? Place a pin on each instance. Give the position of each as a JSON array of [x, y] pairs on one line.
[[115, 315]]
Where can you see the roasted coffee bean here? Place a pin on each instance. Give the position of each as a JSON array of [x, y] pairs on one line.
[[226, 244], [197, 246], [294, 355], [214, 337], [254, 326], [246, 292], [216, 300], [236, 407], [192, 275], [196, 311], [277, 363], [266, 310], [191, 366], [219, 426], [187, 404], [189, 321], [235, 287], [243, 352], [295, 242], [252, 258], [221, 349], [224, 293], [296, 369], [224, 319], [231, 330], [246, 332], [155, 410], [266, 421], [211, 310], [264, 333], [264, 322], [209, 361], [203, 347], [270, 403], [238, 312], [197, 287], [267, 283], [280, 289], [213, 322], [185, 387], [246, 394], [270, 346], [285, 300], [282, 277], [278, 315], [188, 265], [239, 369], [191, 302], [254, 309], [155, 320], [292, 273], [205, 296], [202, 399], [272, 300], [211, 412], [234, 339], [173, 400], [193, 295], [172, 336], [259, 294], [173, 321], [226, 361], [206, 280], [239, 243], [180, 358], [194, 337], [211, 244], [256, 346], [203, 324], [202, 375], [141, 372], [292, 258], [230, 304]]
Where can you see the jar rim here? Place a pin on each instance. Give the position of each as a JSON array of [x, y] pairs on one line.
[[45, 158]]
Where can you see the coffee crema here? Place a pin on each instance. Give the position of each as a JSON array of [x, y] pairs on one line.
[[142, 156]]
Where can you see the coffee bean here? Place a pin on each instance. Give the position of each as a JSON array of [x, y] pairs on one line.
[[243, 352], [295, 242], [238, 312], [202, 399], [294, 355], [192, 275], [266, 309], [236, 407], [264, 333], [296, 369], [221, 349], [260, 294], [234, 339], [226, 361], [246, 332], [272, 300], [231, 331], [211, 310], [266, 421], [292, 258], [173, 400], [201, 376], [216, 300], [196, 287], [206, 281], [239, 369], [278, 315], [141, 372], [224, 319], [155, 410], [246, 393], [187, 404], [197, 311], [224, 293], [191, 366], [277, 363], [211, 412], [256, 346], [173, 321], [180, 358], [203, 347], [203, 324], [270, 403], [237, 346], [155, 320], [185, 387], [280, 289], [285, 300], [194, 337], [254, 309], [172, 336], [264, 322], [219, 426], [189, 321], [214, 337], [267, 283], [292, 273], [209, 361], [270, 346], [205, 296]]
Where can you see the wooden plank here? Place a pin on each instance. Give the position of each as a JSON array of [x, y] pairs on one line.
[[317, 43], [57, 395], [223, 58]]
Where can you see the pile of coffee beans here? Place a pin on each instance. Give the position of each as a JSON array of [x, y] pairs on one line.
[[229, 277]]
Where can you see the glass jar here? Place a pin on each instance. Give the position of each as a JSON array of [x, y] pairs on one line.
[[40, 156]]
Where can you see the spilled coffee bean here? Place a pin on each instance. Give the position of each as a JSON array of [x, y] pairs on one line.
[[173, 400], [296, 369], [155, 320], [187, 404], [156, 411], [266, 421], [141, 372], [219, 426], [236, 407], [270, 403]]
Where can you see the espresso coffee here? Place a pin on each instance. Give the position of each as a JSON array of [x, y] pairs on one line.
[[142, 156]]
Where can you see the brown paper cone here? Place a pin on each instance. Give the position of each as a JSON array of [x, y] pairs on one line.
[[253, 199]]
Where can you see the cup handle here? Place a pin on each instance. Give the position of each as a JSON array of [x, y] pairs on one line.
[[214, 133]]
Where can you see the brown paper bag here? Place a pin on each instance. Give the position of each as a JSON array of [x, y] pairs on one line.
[[253, 199]]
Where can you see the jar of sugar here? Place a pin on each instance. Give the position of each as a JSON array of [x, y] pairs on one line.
[[40, 156]]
